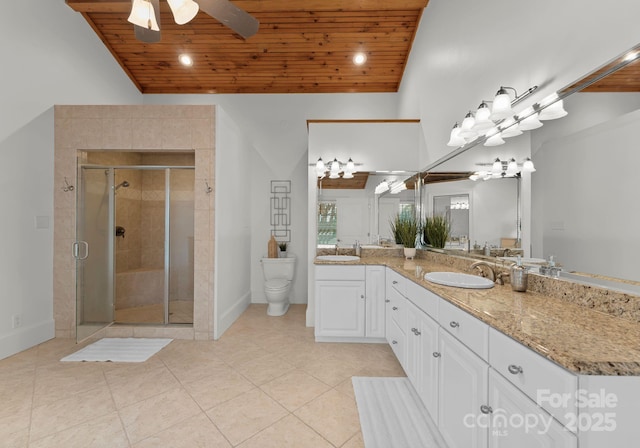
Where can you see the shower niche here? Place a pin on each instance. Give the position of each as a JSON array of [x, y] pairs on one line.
[[134, 246]]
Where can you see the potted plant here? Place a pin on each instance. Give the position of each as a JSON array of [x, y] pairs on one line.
[[394, 228], [406, 230], [436, 231], [283, 250]]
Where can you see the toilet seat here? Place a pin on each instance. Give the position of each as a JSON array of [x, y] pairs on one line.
[[276, 283]]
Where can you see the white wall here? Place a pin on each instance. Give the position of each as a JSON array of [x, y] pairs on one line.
[[589, 219], [51, 56], [233, 154]]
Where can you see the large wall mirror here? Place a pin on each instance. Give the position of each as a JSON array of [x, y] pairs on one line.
[[349, 210], [584, 208]]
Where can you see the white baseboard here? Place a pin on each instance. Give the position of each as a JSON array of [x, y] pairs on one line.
[[229, 316], [26, 337]]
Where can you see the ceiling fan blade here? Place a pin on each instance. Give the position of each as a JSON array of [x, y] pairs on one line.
[[146, 35], [230, 15]]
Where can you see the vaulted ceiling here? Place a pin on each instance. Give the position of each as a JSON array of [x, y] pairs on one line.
[[302, 46]]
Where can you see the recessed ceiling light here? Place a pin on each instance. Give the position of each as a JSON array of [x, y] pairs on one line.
[[185, 60], [359, 58]]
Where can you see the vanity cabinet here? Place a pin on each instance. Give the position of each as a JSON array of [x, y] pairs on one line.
[[349, 303]]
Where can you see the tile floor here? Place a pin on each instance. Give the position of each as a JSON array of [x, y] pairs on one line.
[[180, 312], [265, 383]]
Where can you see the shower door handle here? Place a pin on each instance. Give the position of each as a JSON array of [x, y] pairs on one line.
[[76, 250]]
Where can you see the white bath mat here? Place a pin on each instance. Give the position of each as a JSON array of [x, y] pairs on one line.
[[119, 350], [392, 415]]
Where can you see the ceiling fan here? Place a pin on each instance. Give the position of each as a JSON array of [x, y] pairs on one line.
[[145, 16]]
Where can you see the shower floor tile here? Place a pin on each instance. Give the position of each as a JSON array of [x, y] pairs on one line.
[[180, 312], [265, 383]]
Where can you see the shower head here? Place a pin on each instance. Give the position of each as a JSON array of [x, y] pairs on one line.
[[124, 184]]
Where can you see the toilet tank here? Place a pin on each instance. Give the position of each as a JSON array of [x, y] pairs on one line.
[[273, 268]]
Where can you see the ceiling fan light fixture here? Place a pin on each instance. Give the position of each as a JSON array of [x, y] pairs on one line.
[[143, 15], [183, 10]]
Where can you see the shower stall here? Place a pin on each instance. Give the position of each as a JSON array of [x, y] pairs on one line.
[[134, 245]]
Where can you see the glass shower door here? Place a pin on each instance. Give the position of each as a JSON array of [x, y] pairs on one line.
[[93, 251]]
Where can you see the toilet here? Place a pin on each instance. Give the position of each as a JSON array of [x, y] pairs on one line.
[[278, 278]]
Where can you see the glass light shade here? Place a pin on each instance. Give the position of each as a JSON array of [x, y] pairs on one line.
[[455, 139], [494, 140], [466, 130], [320, 168], [512, 167], [555, 110], [397, 187], [496, 168], [351, 167], [143, 15], [483, 121], [530, 123], [501, 107], [335, 169], [183, 10], [527, 166], [512, 130], [382, 187], [347, 174], [474, 177]]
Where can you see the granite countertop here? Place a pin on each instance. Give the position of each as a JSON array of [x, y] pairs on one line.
[[582, 340]]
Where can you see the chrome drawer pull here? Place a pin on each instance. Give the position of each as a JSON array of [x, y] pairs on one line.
[[394, 342], [436, 354], [387, 300], [515, 369], [415, 331], [454, 324], [394, 282], [486, 409], [395, 308]]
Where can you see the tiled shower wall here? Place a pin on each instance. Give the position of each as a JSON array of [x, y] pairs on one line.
[[134, 128]]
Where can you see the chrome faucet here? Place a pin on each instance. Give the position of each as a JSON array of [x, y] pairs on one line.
[[336, 248], [491, 273], [357, 248], [506, 252]]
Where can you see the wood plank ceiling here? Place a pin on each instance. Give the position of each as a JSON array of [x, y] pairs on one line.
[[302, 46]]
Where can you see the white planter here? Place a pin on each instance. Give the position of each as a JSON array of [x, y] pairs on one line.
[[409, 252]]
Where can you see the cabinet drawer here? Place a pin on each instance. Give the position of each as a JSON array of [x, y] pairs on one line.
[[397, 308], [540, 379], [397, 341], [467, 329], [397, 282], [423, 299], [330, 272]]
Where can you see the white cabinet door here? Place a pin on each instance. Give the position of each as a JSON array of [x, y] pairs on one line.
[[516, 421], [429, 364], [375, 296], [463, 390], [422, 357], [340, 307]]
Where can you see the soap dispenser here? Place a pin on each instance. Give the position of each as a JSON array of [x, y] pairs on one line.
[[487, 249]]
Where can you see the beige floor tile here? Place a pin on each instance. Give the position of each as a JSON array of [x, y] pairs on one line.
[[330, 369], [188, 369], [70, 411], [289, 432], [346, 387], [119, 371], [54, 382], [355, 442], [14, 428], [295, 389], [102, 432], [197, 432], [133, 389], [264, 368], [222, 384], [16, 400], [333, 415], [157, 413], [246, 415]]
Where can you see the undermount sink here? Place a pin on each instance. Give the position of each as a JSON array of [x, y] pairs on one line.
[[459, 280], [338, 258]]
